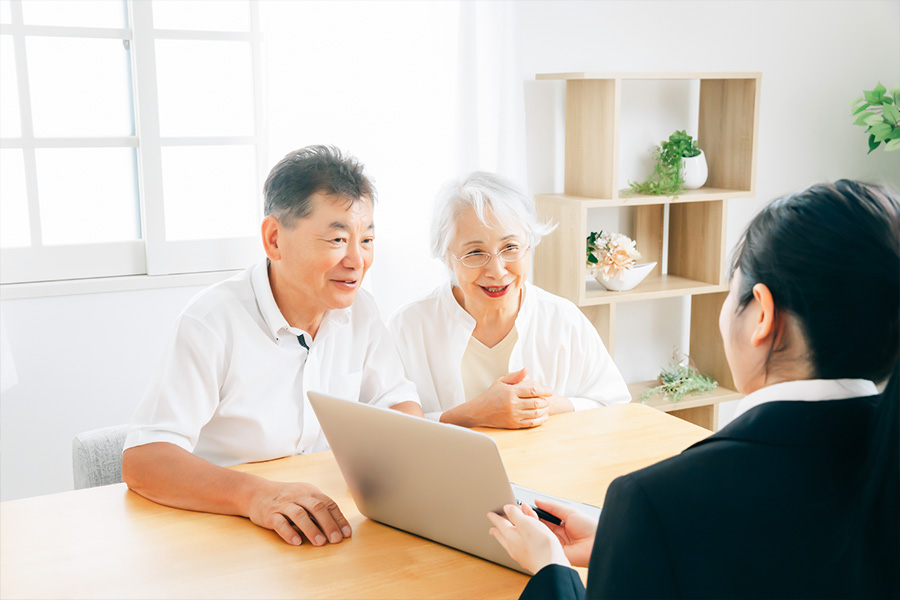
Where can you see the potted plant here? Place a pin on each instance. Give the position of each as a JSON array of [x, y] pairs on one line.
[[680, 165], [611, 260], [680, 377], [877, 111]]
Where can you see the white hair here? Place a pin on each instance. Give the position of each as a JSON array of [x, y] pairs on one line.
[[487, 193]]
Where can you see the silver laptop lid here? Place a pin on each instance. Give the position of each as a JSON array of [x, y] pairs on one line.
[[435, 480]]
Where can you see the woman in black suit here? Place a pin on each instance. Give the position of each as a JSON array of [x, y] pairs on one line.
[[798, 496]]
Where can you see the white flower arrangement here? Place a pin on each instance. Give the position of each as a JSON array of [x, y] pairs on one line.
[[610, 255]]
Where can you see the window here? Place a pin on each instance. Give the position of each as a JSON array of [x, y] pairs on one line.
[[130, 137]]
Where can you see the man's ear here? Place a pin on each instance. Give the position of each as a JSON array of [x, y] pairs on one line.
[[271, 229], [766, 327]]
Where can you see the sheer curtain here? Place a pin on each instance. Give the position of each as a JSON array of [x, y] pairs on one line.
[[8, 376], [490, 94], [419, 91]]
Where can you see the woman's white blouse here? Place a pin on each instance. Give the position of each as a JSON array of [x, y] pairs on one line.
[[558, 345]]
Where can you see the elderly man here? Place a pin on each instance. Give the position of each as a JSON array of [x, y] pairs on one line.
[[231, 387]]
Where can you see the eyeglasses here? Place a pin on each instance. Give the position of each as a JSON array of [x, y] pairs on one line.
[[474, 260]]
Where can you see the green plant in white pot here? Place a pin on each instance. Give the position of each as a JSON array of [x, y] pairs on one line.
[[877, 110], [670, 175]]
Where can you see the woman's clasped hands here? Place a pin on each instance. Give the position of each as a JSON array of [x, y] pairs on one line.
[[534, 544], [512, 402]]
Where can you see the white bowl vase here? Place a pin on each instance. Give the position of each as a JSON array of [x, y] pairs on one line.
[[626, 280], [694, 171]]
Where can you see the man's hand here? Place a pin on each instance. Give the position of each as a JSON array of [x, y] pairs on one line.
[[526, 539], [288, 508], [512, 402], [165, 473]]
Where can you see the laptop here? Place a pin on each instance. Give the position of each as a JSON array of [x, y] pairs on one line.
[[434, 480]]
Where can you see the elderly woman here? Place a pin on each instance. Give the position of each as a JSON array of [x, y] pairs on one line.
[[487, 348]]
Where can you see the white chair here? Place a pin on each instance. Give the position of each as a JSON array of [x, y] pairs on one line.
[[97, 456]]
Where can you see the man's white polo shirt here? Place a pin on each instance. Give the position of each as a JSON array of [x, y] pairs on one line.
[[231, 387]]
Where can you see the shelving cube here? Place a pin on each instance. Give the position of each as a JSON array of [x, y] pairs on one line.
[[695, 236]]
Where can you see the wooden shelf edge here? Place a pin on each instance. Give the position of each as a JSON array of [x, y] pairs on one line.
[[684, 75], [694, 400], [680, 286], [701, 195]]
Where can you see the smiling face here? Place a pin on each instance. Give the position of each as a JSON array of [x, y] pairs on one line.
[[319, 263], [498, 284]]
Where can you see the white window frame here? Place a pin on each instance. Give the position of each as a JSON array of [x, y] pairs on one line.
[[153, 254]]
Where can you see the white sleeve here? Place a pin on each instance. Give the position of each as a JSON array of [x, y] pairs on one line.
[[384, 382], [600, 383], [584, 403], [423, 338], [184, 392]]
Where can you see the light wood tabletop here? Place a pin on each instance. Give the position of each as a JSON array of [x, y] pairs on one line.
[[108, 542]]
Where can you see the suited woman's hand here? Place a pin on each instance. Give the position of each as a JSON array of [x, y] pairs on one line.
[[576, 534], [528, 541]]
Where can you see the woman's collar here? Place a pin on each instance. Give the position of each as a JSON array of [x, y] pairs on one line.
[[807, 390]]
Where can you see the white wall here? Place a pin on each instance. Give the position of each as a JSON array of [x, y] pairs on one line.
[[83, 361]]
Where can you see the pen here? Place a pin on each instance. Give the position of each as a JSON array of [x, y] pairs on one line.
[[544, 515]]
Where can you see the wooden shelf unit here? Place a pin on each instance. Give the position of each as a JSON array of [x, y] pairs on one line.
[[694, 236]]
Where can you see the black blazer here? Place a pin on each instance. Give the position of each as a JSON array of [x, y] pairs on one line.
[[776, 505]]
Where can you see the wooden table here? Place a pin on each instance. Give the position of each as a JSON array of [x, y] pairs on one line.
[[108, 542]]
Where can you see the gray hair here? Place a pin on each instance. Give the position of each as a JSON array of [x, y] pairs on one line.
[[310, 170], [486, 193]]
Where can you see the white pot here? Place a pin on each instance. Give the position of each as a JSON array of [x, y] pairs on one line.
[[694, 171], [627, 279]]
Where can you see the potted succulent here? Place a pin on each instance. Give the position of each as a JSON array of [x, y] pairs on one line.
[[680, 165], [679, 378], [878, 111]]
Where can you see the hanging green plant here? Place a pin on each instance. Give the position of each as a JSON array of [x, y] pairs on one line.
[[877, 111], [666, 179], [680, 377]]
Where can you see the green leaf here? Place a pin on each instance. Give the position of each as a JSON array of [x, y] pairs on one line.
[[873, 98], [879, 89], [895, 134], [891, 114], [861, 119], [892, 145], [861, 108], [880, 131], [873, 120], [857, 101], [872, 144]]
